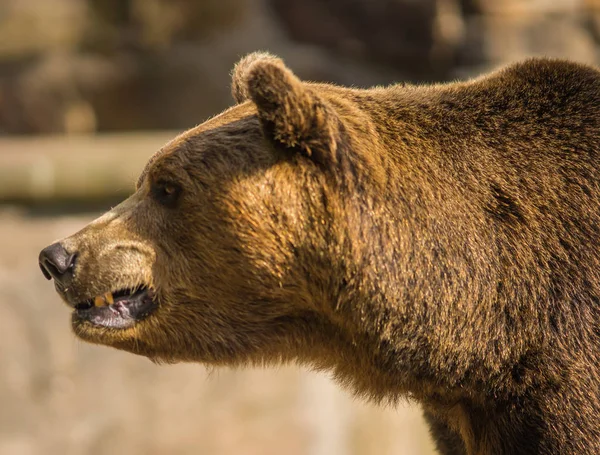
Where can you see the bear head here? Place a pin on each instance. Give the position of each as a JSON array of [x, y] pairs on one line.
[[231, 248]]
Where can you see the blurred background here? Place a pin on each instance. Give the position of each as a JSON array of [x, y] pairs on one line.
[[89, 89]]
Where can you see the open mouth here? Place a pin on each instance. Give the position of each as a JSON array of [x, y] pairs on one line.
[[119, 309]]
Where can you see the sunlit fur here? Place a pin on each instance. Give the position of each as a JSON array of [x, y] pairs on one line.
[[434, 242]]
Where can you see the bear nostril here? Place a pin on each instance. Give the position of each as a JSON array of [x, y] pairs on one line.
[[47, 274], [48, 269]]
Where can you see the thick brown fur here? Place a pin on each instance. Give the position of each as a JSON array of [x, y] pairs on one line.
[[433, 242]]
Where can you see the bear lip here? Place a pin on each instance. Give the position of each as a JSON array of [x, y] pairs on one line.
[[129, 306]]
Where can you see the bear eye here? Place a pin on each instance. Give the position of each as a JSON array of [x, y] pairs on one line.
[[166, 193]]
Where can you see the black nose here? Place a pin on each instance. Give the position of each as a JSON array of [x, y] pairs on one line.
[[56, 263]]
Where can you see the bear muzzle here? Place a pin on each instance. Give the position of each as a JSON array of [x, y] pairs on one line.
[[120, 308]]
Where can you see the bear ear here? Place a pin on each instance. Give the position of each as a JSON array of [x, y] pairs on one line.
[[292, 115], [239, 86]]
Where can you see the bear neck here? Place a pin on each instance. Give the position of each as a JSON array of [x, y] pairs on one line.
[[483, 412], [474, 420], [419, 318]]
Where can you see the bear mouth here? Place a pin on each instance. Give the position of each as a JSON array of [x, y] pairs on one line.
[[119, 310]]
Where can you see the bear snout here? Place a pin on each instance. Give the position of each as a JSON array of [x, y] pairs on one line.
[[104, 283]]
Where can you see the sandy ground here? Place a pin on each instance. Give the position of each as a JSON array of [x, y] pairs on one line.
[[61, 396]]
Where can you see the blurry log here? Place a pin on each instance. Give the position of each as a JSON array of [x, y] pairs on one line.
[[74, 167]]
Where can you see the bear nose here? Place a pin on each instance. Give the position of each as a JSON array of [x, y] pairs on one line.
[[56, 263]]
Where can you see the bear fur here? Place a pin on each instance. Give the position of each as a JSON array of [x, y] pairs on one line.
[[434, 242]]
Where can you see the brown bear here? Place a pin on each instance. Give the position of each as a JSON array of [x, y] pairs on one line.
[[433, 242]]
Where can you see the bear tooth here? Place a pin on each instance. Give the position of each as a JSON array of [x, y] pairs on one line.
[[99, 300], [108, 297]]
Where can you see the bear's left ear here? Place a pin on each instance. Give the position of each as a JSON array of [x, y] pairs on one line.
[[291, 113]]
